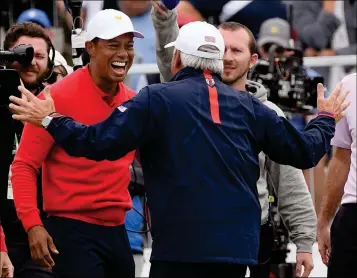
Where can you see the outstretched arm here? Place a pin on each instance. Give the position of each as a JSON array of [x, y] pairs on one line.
[[285, 145], [128, 127]]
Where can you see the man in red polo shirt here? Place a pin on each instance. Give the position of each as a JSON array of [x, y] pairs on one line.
[[86, 201]]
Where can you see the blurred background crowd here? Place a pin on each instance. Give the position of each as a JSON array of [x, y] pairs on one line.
[[321, 27]]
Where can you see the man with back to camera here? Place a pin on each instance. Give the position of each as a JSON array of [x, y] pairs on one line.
[[295, 204], [204, 208], [84, 235], [33, 76]]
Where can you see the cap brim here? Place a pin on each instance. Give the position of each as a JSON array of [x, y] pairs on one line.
[[111, 35], [171, 44], [272, 39]]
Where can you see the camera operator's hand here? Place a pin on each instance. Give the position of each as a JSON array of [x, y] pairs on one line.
[[335, 104], [41, 244], [304, 259], [32, 110]]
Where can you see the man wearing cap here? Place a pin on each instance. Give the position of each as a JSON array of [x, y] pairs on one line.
[[84, 235], [39, 17], [277, 31], [199, 142], [286, 182]]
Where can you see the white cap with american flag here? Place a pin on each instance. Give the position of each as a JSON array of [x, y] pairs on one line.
[[200, 39]]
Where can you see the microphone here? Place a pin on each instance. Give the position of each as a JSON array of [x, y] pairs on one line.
[[22, 53], [170, 4]]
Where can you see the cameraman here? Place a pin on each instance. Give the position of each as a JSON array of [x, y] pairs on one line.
[[277, 31], [33, 77], [295, 205]]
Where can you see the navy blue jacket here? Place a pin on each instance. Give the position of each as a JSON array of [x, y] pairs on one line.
[[200, 176]]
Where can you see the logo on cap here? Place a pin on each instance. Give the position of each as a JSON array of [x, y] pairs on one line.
[[118, 17], [274, 30], [210, 39]]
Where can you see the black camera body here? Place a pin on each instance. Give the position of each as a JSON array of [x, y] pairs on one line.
[[10, 78], [287, 82]]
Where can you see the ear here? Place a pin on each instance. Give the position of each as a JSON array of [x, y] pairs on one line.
[[253, 60], [177, 61], [90, 47]]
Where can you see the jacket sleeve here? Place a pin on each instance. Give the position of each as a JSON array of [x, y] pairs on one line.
[[128, 127], [166, 31], [315, 26], [284, 144], [2, 241], [34, 148], [294, 204]]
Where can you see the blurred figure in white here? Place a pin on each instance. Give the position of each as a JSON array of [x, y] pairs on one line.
[[60, 70]]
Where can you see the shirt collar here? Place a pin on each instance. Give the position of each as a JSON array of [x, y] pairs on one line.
[[111, 100], [189, 72]]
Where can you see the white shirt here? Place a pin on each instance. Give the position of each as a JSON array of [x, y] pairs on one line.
[[345, 137]]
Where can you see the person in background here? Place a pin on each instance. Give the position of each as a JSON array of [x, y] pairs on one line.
[[339, 250], [6, 267], [39, 17], [327, 28], [33, 76], [220, 11], [60, 69], [84, 235], [277, 31], [139, 13], [297, 212]]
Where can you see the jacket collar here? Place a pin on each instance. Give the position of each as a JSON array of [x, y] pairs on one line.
[[189, 72]]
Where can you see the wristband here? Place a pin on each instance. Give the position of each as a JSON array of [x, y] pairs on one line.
[[327, 114]]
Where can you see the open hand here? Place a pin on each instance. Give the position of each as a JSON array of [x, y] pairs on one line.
[[41, 244], [31, 109], [335, 104]]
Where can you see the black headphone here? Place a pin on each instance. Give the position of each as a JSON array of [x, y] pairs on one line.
[[51, 61]]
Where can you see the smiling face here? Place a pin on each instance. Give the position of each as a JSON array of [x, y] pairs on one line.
[[111, 59], [35, 73]]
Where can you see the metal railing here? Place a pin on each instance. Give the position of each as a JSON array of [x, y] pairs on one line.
[[327, 61]]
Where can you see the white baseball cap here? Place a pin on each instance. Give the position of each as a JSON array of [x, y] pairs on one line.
[[108, 24], [61, 61], [195, 35]]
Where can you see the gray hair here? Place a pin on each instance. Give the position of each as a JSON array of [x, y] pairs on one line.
[[213, 65]]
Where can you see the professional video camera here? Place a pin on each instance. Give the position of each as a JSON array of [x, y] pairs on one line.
[[286, 80], [21, 53], [9, 78]]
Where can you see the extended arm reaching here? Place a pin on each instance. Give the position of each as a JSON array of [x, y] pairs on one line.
[[126, 129]]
